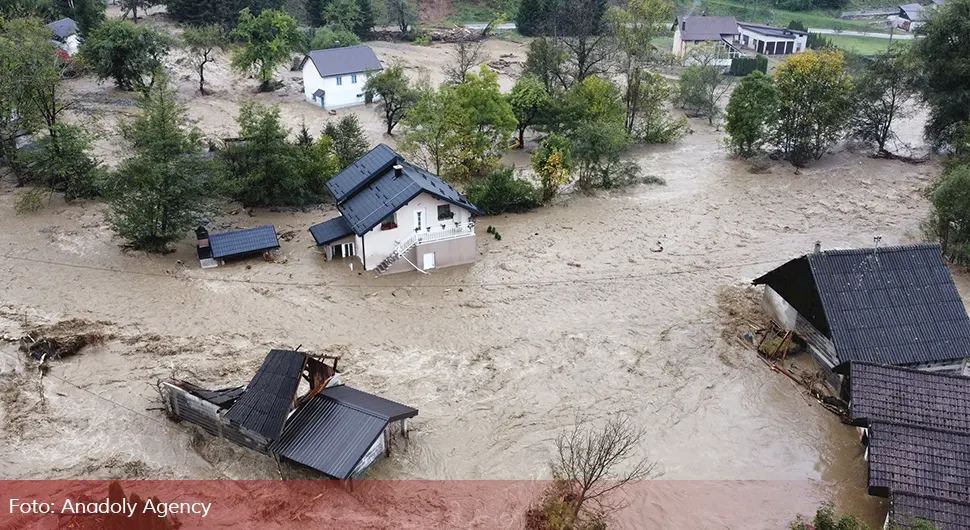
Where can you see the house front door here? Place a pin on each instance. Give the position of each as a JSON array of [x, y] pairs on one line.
[[420, 220]]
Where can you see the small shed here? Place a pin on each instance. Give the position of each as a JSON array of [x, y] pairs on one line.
[[236, 244]]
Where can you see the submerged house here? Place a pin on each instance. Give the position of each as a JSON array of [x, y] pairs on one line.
[[328, 426], [396, 217], [769, 40], [335, 78], [892, 305], [721, 32], [66, 35], [217, 248], [915, 426]]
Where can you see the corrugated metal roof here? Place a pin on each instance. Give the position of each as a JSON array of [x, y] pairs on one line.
[[357, 175], [269, 396], [346, 60], [329, 436], [907, 509], [907, 396], [892, 305], [707, 28], [240, 242], [917, 461], [331, 230], [63, 28], [376, 405]]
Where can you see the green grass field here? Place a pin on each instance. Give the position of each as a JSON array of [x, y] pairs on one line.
[[864, 45]]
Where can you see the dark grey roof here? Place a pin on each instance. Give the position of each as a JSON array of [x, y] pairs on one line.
[[63, 28], [269, 396], [907, 396], [923, 462], [376, 405], [707, 28], [241, 242], [368, 190], [907, 509], [893, 305], [331, 230], [319, 92], [911, 11], [771, 31], [347, 60], [223, 397], [329, 436]]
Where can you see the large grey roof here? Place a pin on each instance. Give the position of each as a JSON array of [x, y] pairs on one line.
[[241, 242], [907, 396], [368, 190], [269, 396], [707, 28], [63, 28], [347, 60], [331, 230], [892, 305], [782, 33]]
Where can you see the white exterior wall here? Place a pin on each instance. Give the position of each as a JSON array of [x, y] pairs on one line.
[[678, 49], [378, 244], [800, 41], [344, 95], [71, 45]]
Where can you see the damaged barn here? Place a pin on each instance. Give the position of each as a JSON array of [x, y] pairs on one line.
[[335, 429]]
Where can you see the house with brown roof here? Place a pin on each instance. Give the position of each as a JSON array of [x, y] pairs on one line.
[[721, 33]]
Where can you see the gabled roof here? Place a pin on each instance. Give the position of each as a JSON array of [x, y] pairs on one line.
[[912, 11], [369, 190], [771, 31], [334, 430], [239, 242], [706, 28], [892, 305], [906, 396], [346, 60], [63, 28], [331, 230], [923, 462], [269, 396]]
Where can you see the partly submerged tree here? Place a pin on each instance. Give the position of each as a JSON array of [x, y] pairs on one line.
[[401, 13], [466, 55], [703, 84], [553, 163], [130, 55], [394, 92], [349, 141], [950, 219], [63, 161], [880, 98], [164, 190], [500, 192], [751, 112], [268, 41], [430, 127], [202, 43], [529, 101]]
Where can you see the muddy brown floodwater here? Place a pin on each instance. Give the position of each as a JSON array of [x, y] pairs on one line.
[[570, 314]]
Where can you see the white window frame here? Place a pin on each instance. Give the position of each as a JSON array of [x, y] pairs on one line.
[[353, 79], [340, 80]]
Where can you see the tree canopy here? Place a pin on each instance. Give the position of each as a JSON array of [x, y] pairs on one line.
[[268, 40], [751, 112], [395, 94], [130, 55]]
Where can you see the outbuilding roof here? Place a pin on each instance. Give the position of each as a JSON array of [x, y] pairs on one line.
[[331, 230], [891, 305], [696, 28], [270, 395], [63, 28], [907, 509], [913, 12], [241, 242], [771, 31], [333, 431], [346, 60], [912, 397], [918, 461]]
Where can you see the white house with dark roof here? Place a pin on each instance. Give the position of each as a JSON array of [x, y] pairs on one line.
[[722, 32], [335, 78], [66, 35], [396, 217], [769, 40]]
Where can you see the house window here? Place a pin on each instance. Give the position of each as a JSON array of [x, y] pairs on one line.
[[389, 223], [444, 212], [353, 79], [340, 80]]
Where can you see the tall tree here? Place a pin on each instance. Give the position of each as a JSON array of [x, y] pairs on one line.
[[367, 20], [131, 7], [881, 96], [545, 61], [466, 55], [202, 43], [326, 38], [395, 94], [222, 12], [581, 29], [942, 57], [161, 192], [429, 129], [529, 101], [703, 84], [349, 141], [815, 97], [343, 13], [532, 17], [489, 123], [751, 111], [268, 41], [401, 13], [129, 54]]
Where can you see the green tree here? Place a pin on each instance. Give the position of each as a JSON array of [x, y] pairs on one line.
[[161, 192], [597, 148], [488, 123], [129, 54], [430, 126], [326, 38], [344, 14], [132, 6], [89, 14], [401, 13], [751, 111], [942, 59], [532, 17], [365, 25], [268, 40], [581, 30], [881, 96], [529, 101], [500, 192], [815, 97], [222, 12], [553, 163], [395, 94], [202, 43], [545, 61], [703, 84], [596, 99], [797, 26], [11, 9], [951, 213], [826, 518], [349, 141], [62, 161]]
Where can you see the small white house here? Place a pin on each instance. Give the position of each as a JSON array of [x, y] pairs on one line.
[[336, 77], [769, 40], [691, 31], [395, 217], [66, 35]]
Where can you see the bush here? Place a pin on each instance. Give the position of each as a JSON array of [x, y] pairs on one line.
[[326, 38], [742, 66], [63, 162], [500, 192]]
